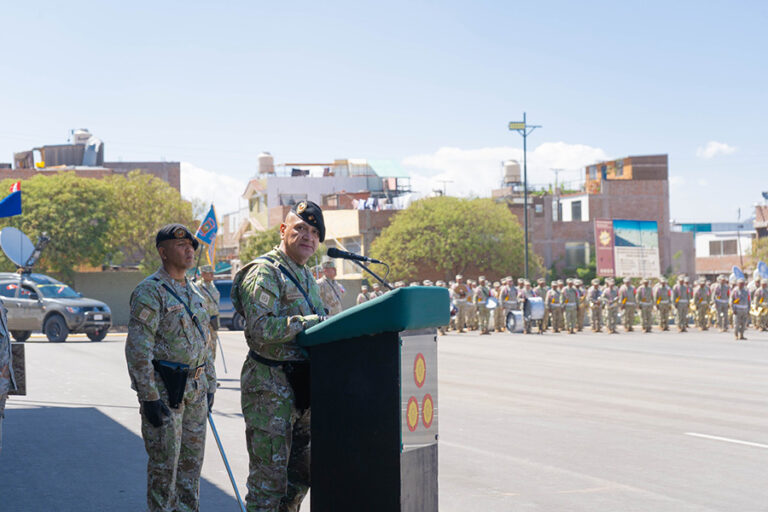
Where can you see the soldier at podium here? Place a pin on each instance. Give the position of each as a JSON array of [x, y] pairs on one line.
[[279, 298]]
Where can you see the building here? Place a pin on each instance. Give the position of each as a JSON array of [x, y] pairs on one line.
[[720, 245], [561, 226], [84, 156]]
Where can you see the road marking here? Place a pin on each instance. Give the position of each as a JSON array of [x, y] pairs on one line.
[[590, 490], [727, 440]]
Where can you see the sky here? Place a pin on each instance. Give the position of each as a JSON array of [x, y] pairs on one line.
[[421, 88]]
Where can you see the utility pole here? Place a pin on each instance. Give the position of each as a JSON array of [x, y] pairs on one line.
[[444, 182], [524, 129]]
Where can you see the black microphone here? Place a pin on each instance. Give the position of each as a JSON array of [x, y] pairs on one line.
[[336, 253]]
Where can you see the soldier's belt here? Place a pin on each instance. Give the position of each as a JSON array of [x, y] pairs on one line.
[[195, 372], [269, 362]]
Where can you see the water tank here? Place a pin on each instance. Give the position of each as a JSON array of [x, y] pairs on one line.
[[266, 163], [80, 136], [512, 172]]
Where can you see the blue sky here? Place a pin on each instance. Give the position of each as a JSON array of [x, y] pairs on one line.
[[427, 86]]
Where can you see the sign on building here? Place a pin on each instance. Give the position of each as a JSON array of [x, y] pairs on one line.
[[627, 248]]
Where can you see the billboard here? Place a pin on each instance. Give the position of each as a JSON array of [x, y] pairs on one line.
[[627, 248]]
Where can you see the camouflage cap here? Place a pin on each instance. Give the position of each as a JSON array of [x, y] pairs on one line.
[[741, 280], [627, 279], [205, 269], [329, 264], [175, 232], [496, 284], [541, 280], [364, 288], [312, 214], [459, 276]]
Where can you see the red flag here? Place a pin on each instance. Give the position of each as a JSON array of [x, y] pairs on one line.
[[16, 187]]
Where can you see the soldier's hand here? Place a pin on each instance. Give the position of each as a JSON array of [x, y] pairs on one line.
[[155, 411], [210, 402]]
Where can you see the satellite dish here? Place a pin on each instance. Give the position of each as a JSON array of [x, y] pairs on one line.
[[16, 245]]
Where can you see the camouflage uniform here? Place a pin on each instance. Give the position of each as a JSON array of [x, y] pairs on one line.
[[461, 297], [330, 293], [740, 306], [721, 293], [662, 295], [555, 309], [681, 298], [611, 303], [161, 329], [362, 296], [760, 302], [277, 432], [482, 292], [212, 299], [644, 295], [595, 306], [7, 382], [628, 304], [701, 300], [569, 300]]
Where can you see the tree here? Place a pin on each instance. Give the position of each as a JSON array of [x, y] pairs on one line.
[[143, 204], [264, 241], [452, 235], [76, 213]]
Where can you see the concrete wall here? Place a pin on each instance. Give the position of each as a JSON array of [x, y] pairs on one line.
[[114, 288], [315, 188], [682, 244]]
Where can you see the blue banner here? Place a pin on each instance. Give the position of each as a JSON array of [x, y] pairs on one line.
[[206, 233], [11, 205]]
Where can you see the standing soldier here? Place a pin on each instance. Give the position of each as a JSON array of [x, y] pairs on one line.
[[553, 306], [461, 296], [482, 293], [681, 298], [760, 303], [628, 304], [593, 297], [701, 300], [377, 291], [578, 284], [279, 299], [170, 363], [662, 296], [212, 298], [498, 313], [569, 300], [7, 382], [509, 298], [740, 306], [721, 293], [363, 295], [611, 304], [331, 291], [644, 296]]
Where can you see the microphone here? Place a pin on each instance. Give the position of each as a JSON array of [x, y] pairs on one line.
[[336, 253]]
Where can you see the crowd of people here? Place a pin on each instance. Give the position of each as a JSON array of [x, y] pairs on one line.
[[569, 305]]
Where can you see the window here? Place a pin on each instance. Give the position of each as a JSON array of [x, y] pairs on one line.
[[593, 172], [723, 247], [576, 210], [8, 289], [619, 167], [576, 254]]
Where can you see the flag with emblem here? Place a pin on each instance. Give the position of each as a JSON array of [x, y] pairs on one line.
[[11, 204], [206, 233]]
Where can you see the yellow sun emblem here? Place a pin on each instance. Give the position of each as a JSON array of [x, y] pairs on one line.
[[605, 238]]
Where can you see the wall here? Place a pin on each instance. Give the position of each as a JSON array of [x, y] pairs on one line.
[[681, 244], [166, 171], [114, 288]]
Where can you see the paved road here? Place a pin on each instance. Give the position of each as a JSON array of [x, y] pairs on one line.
[[630, 422]]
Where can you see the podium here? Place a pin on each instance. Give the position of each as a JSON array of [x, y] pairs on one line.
[[374, 404]]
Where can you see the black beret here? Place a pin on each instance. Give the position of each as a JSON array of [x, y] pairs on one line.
[[310, 213], [174, 232]]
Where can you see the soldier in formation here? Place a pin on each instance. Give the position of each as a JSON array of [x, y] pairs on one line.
[[740, 306], [701, 304], [595, 306], [170, 363], [681, 298], [627, 303], [760, 305], [363, 295], [610, 299], [721, 294], [481, 295], [330, 291], [644, 297], [569, 301], [212, 298], [662, 296]]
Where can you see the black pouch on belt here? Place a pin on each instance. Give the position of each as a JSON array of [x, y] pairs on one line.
[[299, 378], [174, 377]]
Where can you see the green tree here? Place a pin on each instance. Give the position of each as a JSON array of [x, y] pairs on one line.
[[259, 243], [76, 213], [452, 235], [143, 204]]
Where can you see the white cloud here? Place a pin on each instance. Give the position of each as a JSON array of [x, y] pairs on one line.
[[676, 181], [478, 171], [713, 149], [223, 191]]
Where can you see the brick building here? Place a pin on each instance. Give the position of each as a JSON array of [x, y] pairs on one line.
[[561, 227]]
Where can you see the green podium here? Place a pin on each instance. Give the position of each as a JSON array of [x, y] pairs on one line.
[[374, 403]]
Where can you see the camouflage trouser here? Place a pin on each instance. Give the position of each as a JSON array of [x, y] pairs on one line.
[[740, 317], [472, 318], [701, 316], [581, 317], [570, 317], [175, 452], [682, 316], [722, 315], [646, 314], [277, 436], [557, 319], [484, 317], [500, 316], [462, 321], [663, 308], [545, 319], [629, 316], [611, 318], [596, 318], [2, 415]]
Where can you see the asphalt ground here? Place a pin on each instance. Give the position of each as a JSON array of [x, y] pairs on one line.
[[555, 422]]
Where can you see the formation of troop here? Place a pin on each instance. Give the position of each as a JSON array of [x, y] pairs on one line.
[[569, 305]]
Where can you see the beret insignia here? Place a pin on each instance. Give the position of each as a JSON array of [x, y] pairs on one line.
[[179, 233], [301, 207]]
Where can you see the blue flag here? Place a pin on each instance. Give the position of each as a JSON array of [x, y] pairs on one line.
[[11, 205], [206, 233]]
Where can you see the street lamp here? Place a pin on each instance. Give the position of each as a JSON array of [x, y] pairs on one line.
[[524, 129]]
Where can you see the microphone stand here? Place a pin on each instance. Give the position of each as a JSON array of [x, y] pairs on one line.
[[389, 286]]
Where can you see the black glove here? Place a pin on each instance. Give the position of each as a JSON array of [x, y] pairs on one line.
[[210, 402], [155, 411]]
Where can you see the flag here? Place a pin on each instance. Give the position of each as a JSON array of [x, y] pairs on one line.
[[206, 233], [211, 254], [11, 204]]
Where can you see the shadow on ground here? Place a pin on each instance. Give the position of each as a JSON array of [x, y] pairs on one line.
[[75, 459]]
